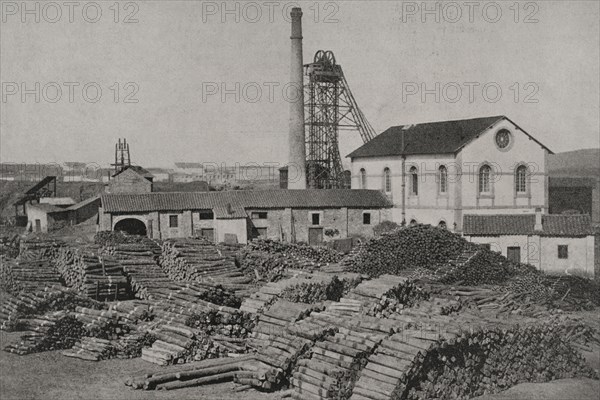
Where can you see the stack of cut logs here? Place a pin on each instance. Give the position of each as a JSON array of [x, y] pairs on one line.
[[34, 275], [39, 248], [53, 331], [7, 280], [139, 262], [98, 277], [274, 320], [91, 349], [314, 292], [408, 247], [193, 260], [336, 361], [27, 303], [172, 346], [406, 294], [130, 346], [189, 375], [268, 293], [235, 324], [104, 324], [495, 360], [318, 255]]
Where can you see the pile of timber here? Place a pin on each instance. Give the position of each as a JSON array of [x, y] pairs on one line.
[[266, 295], [194, 374], [91, 349], [34, 275], [315, 256], [183, 312], [261, 266], [392, 364], [140, 266], [37, 248], [98, 277], [198, 261], [177, 344], [274, 320], [337, 360], [25, 304], [271, 291], [313, 292], [104, 324], [366, 295], [172, 346], [399, 297], [52, 331], [132, 310], [131, 345], [7, 280], [285, 334], [424, 361]]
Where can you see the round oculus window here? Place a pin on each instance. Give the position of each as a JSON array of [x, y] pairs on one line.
[[503, 139]]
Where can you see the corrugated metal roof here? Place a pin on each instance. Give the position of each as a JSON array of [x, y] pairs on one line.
[[442, 137], [333, 198], [552, 225]]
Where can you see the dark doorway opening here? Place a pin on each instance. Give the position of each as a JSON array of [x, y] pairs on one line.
[[131, 226]]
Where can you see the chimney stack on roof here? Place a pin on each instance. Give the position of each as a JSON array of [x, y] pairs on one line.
[[538, 220]]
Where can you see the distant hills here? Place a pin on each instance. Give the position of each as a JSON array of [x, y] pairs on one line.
[[577, 163]]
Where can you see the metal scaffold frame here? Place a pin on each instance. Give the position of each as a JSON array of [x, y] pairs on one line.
[[330, 107]]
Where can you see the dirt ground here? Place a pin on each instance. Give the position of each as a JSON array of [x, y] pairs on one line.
[[52, 376]]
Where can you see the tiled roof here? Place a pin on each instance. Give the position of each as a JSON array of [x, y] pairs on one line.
[[498, 224], [140, 170], [173, 201], [552, 225], [567, 225], [229, 212], [443, 137]]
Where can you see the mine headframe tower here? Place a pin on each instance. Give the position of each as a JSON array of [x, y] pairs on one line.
[[122, 156], [330, 108]]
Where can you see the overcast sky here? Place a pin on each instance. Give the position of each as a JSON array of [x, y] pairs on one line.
[[543, 56]]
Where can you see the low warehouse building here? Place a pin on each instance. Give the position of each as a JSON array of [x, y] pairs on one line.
[[312, 216], [53, 213], [552, 243]]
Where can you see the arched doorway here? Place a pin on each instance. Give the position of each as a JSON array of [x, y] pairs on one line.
[[131, 226]]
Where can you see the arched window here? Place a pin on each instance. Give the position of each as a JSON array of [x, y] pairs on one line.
[[363, 178], [443, 179], [413, 221], [387, 180], [484, 179], [442, 224], [414, 181], [521, 179]]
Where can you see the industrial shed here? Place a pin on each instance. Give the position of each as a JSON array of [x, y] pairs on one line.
[[312, 216]]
